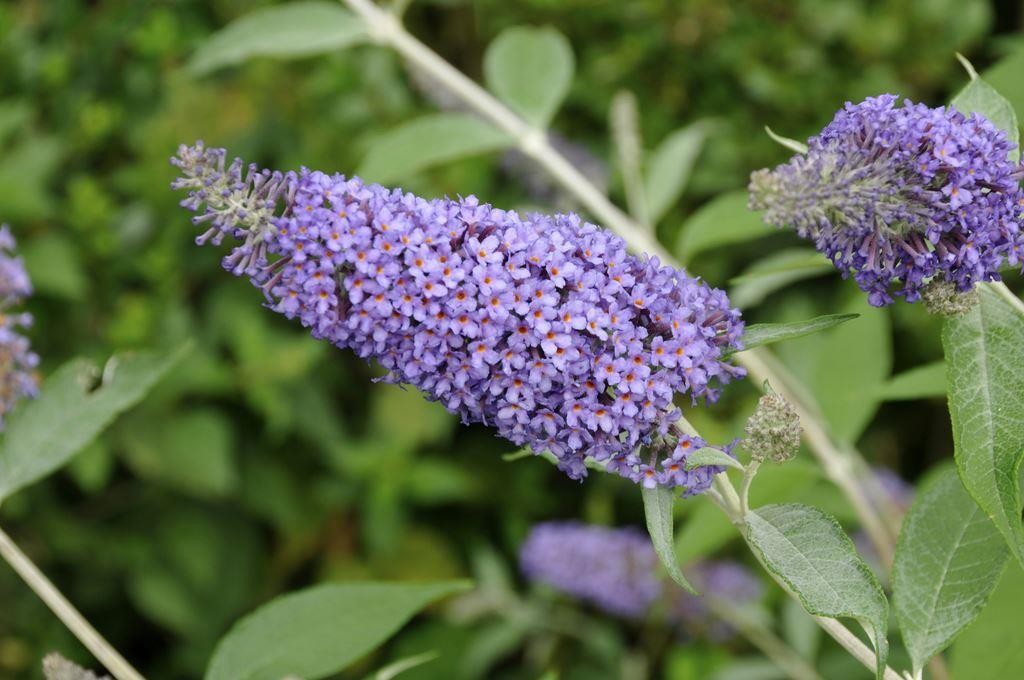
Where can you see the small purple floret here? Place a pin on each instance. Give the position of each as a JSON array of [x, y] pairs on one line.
[[901, 196], [542, 327], [18, 377]]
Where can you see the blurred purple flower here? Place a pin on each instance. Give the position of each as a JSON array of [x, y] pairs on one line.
[[543, 327], [614, 569], [898, 493], [617, 571], [901, 196], [18, 378]]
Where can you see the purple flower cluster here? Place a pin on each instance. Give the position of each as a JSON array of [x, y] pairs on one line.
[[18, 378], [902, 195], [543, 327], [617, 571], [614, 569]]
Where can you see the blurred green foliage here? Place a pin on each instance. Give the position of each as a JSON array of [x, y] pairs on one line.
[[267, 461]]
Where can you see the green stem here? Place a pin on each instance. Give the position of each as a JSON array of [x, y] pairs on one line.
[[65, 611], [748, 477], [784, 656]]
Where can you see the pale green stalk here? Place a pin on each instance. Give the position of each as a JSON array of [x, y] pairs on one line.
[[748, 478], [66, 612], [784, 656]]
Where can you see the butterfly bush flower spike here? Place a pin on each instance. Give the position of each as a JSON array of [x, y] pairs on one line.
[[902, 196], [616, 570], [18, 377], [542, 327]]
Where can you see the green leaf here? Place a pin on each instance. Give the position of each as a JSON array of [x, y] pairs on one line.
[[980, 97], [990, 647], [920, 382], [14, 114], [191, 451], [986, 381], [319, 631], [809, 551], [489, 645], [92, 467], [293, 30], [658, 503], [791, 144], [434, 481], [759, 334], [54, 265], [43, 433], [947, 562], [26, 171], [1004, 76], [624, 123], [670, 166], [423, 422], [428, 141], [530, 69], [843, 367], [708, 456], [775, 272], [196, 569], [722, 221]]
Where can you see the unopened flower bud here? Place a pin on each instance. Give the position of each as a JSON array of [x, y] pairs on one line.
[[774, 430]]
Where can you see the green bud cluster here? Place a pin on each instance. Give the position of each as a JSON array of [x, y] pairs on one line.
[[943, 299], [773, 431]]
